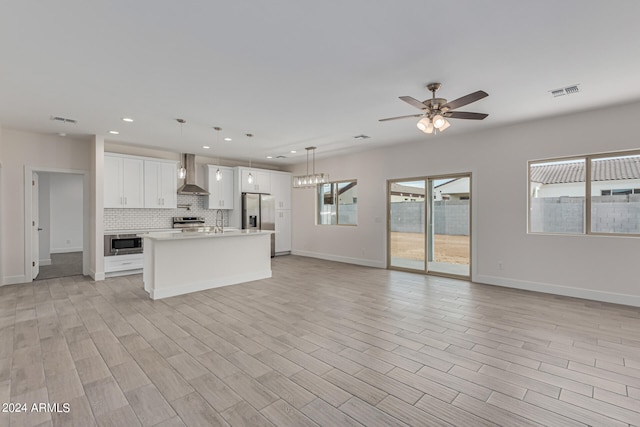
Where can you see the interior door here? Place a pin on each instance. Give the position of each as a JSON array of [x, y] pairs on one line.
[[35, 228]]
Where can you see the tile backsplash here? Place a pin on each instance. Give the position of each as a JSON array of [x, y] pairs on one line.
[[140, 219]]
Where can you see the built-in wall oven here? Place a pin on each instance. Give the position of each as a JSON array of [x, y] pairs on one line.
[[122, 244]]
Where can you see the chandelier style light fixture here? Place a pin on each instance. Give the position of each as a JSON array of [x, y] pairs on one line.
[[313, 179]]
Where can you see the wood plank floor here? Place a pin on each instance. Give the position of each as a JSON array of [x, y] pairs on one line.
[[320, 343]]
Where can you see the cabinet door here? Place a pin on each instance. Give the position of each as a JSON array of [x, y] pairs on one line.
[[283, 231], [113, 197], [281, 189], [212, 201], [133, 183], [168, 185], [264, 181], [245, 186], [226, 188], [152, 185]]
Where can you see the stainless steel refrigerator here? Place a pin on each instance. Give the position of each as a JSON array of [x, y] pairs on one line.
[[259, 213]]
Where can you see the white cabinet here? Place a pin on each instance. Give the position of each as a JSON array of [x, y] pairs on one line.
[[261, 181], [283, 231], [123, 264], [281, 189], [124, 182], [221, 192], [160, 184]]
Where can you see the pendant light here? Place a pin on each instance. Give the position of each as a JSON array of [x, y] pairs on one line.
[[182, 172], [250, 177], [313, 179], [218, 172]]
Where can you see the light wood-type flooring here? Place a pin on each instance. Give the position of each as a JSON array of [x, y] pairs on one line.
[[320, 343]]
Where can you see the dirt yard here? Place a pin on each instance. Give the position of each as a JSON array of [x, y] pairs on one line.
[[449, 249]]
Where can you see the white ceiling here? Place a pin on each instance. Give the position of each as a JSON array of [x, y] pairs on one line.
[[301, 73]]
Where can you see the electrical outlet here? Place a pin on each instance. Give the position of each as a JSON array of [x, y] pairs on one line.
[[68, 241], [500, 265]]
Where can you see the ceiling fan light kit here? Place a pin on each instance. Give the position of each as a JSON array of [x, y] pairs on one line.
[[436, 111]]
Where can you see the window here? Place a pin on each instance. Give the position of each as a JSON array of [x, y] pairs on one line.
[[585, 195], [338, 203]]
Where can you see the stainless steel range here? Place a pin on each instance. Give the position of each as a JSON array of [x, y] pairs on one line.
[[188, 222]]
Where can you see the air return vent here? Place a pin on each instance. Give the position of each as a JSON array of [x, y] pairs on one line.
[[64, 120], [569, 90]]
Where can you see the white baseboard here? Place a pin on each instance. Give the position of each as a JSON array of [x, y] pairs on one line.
[[45, 262], [338, 258], [65, 250], [209, 284], [96, 276], [12, 280], [548, 288], [122, 273]]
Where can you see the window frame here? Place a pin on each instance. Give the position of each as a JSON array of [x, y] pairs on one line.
[[334, 186], [588, 158]]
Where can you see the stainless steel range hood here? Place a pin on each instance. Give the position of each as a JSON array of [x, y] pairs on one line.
[[190, 186]]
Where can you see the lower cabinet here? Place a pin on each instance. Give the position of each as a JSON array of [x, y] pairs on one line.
[[120, 265], [283, 231]]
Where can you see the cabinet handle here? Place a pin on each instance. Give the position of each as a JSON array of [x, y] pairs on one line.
[[127, 263], [125, 200]]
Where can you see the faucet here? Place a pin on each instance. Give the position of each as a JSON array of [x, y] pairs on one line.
[[219, 224]]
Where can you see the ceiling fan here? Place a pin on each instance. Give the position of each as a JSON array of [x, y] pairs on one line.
[[436, 111]]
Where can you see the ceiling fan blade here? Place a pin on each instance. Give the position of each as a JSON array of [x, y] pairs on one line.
[[465, 115], [467, 99], [400, 117], [414, 102]]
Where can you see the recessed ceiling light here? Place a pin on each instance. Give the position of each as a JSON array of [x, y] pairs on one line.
[[127, 119], [206, 147], [293, 151], [269, 157], [114, 132], [227, 139]]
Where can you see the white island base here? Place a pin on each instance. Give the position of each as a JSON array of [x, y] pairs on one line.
[[179, 263]]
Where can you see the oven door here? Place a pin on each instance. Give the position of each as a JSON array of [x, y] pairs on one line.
[[122, 244]]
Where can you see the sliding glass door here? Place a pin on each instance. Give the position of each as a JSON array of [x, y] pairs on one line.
[[429, 225], [449, 217], [406, 224]]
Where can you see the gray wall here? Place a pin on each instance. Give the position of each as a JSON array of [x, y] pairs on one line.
[[610, 214], [451, 217]]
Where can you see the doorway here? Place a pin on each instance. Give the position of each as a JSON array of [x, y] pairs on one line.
[[57, 223], [429, 225]]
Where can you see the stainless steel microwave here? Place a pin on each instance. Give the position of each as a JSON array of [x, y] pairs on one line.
[[122, 244]]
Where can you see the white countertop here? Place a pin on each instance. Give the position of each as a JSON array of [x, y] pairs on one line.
[[139, 231], [173, 235]]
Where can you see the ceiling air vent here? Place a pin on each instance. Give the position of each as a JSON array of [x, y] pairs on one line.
[[569, 90], [281, 157], [362, 136], [63, 120]]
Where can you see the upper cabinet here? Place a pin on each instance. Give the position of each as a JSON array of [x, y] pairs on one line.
[[281, 189], [260, 181], [221, 191], [123, 182], [160, 184]]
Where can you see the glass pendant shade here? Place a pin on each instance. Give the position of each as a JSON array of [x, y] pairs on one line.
[[182, 173], [218, 175], [423, 124], [444, 126], [438, 121], [310, 179]]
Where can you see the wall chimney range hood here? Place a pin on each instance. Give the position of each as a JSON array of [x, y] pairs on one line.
[[190, 186]]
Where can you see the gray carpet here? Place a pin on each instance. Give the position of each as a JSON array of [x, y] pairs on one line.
[[62, 265]]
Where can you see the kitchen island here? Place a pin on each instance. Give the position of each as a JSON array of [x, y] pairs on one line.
[[178, 263]]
